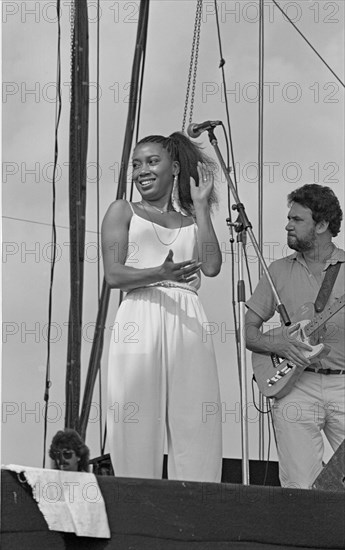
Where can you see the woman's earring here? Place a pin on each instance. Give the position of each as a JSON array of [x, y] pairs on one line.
[[175, 201]]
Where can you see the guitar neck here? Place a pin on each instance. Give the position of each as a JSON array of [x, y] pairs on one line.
[[322, 318]]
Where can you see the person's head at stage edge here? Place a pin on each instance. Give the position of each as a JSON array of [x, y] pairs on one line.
[[163, 166], [314, 218], [69, 452]]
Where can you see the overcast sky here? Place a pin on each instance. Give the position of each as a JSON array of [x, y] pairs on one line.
[[303, 143]]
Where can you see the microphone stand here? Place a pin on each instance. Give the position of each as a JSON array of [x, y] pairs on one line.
[[243, 226]]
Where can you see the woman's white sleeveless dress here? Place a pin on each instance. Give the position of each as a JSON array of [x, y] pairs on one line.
[[162, 372]]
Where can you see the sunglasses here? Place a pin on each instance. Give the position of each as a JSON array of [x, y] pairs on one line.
[[66, 454]]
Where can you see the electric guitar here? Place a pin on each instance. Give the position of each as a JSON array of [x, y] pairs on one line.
[[276, 376]]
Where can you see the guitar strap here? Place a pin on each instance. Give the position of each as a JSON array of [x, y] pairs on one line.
[[326, 287]]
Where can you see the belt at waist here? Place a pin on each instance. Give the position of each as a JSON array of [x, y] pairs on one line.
[[167, 284], [325, 371], [172, 284]]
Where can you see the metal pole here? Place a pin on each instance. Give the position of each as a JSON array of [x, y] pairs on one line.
[[241, 299], [244, 225]]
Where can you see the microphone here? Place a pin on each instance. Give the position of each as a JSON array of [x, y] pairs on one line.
[[194, 130]]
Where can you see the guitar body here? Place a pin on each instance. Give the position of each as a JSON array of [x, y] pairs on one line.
[[276, 376]]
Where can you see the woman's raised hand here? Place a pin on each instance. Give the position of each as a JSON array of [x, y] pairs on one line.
[[201, 193]]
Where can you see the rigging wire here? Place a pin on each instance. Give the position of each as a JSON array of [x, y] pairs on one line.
[[221, 66], [98, 211], [97, 153], [308, 42], [43, 223], [56, 151], [261, 125], [230, 157], [260, 176]]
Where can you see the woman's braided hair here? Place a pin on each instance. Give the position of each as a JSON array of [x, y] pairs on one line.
[[187, 153]]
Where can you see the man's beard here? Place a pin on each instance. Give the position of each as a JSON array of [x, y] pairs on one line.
[[302, 245]]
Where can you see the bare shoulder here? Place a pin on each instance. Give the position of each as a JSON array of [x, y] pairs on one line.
[[188, 220], [118, 211]]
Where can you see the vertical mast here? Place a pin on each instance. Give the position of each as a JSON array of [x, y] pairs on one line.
[[77, 200]]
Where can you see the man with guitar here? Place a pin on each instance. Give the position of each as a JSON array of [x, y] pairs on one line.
[[302, 366]]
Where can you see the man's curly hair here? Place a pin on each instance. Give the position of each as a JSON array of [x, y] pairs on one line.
[[70, 439], [322, 202]]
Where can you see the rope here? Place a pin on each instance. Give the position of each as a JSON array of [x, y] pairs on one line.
[[309, 43], [193, 65], [50, 306]]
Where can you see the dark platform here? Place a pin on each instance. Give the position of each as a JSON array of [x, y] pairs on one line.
[[176, 515], [260, 472]]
